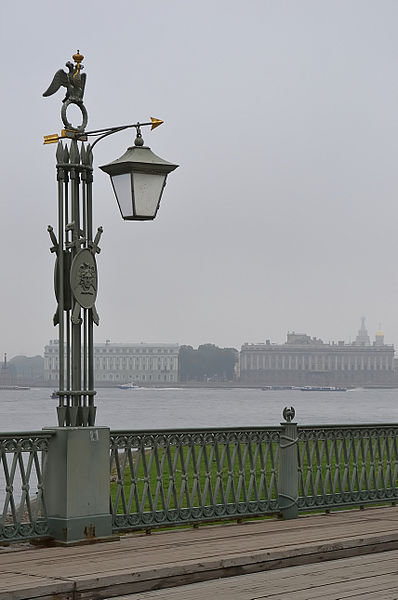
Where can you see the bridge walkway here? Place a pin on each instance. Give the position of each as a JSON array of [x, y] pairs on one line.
[[140, 563], [366, 577]]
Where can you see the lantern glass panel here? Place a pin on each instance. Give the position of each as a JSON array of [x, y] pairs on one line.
[[147, 188], [122, 187]]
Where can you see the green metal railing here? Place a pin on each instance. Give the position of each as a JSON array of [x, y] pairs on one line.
[[167, 478], [22, 460], [347, 465], [163, 478]]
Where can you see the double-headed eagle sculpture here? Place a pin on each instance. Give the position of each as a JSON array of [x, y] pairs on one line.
[[74, 81]]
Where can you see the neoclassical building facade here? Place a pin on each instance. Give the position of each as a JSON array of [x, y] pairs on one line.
[[306, 361], [121, 363]]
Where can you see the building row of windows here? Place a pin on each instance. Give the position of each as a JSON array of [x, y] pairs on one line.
[[317, 363], [136, 364], [122, 351], [135, 351], [123, 365], [139, 377], [159, 377]]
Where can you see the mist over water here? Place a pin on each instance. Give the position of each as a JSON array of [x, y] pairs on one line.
[[174, 408], [151, 408]]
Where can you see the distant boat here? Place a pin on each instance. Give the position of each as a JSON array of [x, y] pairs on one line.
[[323, 388], [277, 387], [128, 386], [14, 387], [54, 395]]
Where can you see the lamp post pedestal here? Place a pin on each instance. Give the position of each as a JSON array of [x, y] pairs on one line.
[[76, 484]]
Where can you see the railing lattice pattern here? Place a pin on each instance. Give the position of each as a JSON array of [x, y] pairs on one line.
[[22, 460], [342, 466], [163, 478], [166, 478]]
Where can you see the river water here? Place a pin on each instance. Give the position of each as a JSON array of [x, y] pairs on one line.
[[175, 408]]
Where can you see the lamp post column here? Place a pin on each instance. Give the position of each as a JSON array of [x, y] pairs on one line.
[[75, 286], [76, 478], [74, 227]]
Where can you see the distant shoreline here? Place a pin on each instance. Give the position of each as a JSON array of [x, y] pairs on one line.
[[186, 385]]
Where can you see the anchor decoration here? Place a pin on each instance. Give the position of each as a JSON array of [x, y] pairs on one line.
[[74, 81]]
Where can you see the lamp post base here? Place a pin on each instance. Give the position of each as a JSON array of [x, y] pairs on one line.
[[81, 530], [76, 484]]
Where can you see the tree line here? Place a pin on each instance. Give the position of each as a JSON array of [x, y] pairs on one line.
[[207, 363]]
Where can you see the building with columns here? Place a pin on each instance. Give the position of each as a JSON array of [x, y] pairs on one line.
[[306, 361], [121, 363]]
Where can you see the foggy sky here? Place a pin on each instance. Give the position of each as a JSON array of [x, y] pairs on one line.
[[283, 117]]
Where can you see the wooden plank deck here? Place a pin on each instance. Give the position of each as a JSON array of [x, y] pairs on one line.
[[139, 563], [370, 577]]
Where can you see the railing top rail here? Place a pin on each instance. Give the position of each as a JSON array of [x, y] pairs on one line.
[[193, 430], [26, 434], [329, 426], [350, 426]]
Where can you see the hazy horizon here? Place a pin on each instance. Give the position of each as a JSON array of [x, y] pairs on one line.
[[282, 216], [277, 342]]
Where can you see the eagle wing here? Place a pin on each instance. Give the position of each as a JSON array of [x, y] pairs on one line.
[[83, 80], [60, 78]]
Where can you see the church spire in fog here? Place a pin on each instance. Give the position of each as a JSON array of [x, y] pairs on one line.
[[362, 338]]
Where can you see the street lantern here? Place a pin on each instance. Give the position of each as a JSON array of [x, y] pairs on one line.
[[138, 180]]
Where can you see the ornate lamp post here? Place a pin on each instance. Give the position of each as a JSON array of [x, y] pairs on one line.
[[138, 179]]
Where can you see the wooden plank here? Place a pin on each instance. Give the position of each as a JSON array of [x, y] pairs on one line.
[[274, 533], [18, 586], [347, 589], [333, 581], [124, 582], [122, 555], [167, 558], [97, 574]]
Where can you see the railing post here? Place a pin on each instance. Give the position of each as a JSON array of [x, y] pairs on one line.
[[288, 467], [76, 484]]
